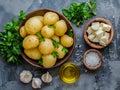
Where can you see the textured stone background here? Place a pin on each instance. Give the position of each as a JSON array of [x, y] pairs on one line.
[[106, 78]]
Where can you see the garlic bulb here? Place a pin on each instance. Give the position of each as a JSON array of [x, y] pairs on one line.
[[25, 76], [47, 78], [36, 83]]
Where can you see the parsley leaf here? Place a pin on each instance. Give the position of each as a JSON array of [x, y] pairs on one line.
[[65, 50], [79, 12], [22, 15], [55, 54], [92, 4], [40, 36], [70, 33], [55, 43], [52, 26], [40, 62], [11, 41]]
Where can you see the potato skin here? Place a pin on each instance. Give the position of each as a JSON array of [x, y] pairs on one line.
[[46, 47], [48, 60], [61, 53], [47, 32], [33, 53], [50, 18], [30, 41], [66, 41], [23, 32], [40, 18], [61, 28], [56, 38], [33, 25]]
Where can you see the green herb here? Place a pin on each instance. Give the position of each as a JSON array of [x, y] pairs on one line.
[[40, 62], [70, 33], [22, 15], [55, 43], [40, 36], [79, 12], [65, 50], [11, 41], [92, 4], [51, 26], [55, 54]]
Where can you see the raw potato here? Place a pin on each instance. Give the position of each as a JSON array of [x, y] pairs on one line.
[[46, 47], [50, 18], [61, 28], [23, 32], [56, 38], [30, 41], [40, 18], [33, 53], [61, 53], [33, 25], [66, 41], [48, 60], [47, 32]]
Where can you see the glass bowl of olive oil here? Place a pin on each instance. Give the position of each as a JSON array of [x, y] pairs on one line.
[[69, 73]]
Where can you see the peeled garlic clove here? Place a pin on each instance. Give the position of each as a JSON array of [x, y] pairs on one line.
[[36, 83], [47, 78], [25, 76]]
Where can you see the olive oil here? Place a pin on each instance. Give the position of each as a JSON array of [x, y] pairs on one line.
[[69, 73]]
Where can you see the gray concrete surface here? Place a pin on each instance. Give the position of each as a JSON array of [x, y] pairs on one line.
[[106, 78]]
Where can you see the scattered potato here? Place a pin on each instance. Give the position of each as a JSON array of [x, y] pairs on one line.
[[61, 28], [66, 41], [33, 25], [47, 32], [23, 32], [33, 53], [56, 38], [61, 53], [46, 47], [30, 41], [50, 18], [48, 60]]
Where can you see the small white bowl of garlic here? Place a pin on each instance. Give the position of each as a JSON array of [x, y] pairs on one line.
[[98, 33]]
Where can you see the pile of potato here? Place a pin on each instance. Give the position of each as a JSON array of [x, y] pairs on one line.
[[39, 32]]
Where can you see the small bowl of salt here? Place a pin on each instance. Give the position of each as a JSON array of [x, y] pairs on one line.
[[92, 59]]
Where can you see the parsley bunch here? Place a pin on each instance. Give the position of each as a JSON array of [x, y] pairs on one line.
[[79, 12], [11, 41]]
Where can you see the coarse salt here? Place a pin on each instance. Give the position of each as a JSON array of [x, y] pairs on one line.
[[92, 59]]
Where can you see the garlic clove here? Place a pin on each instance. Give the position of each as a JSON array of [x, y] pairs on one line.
[[47, 78], [36, 83], [25, 76]]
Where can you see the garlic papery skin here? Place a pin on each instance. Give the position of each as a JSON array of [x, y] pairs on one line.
[[47, 78], [36, 83], [25, 76]]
